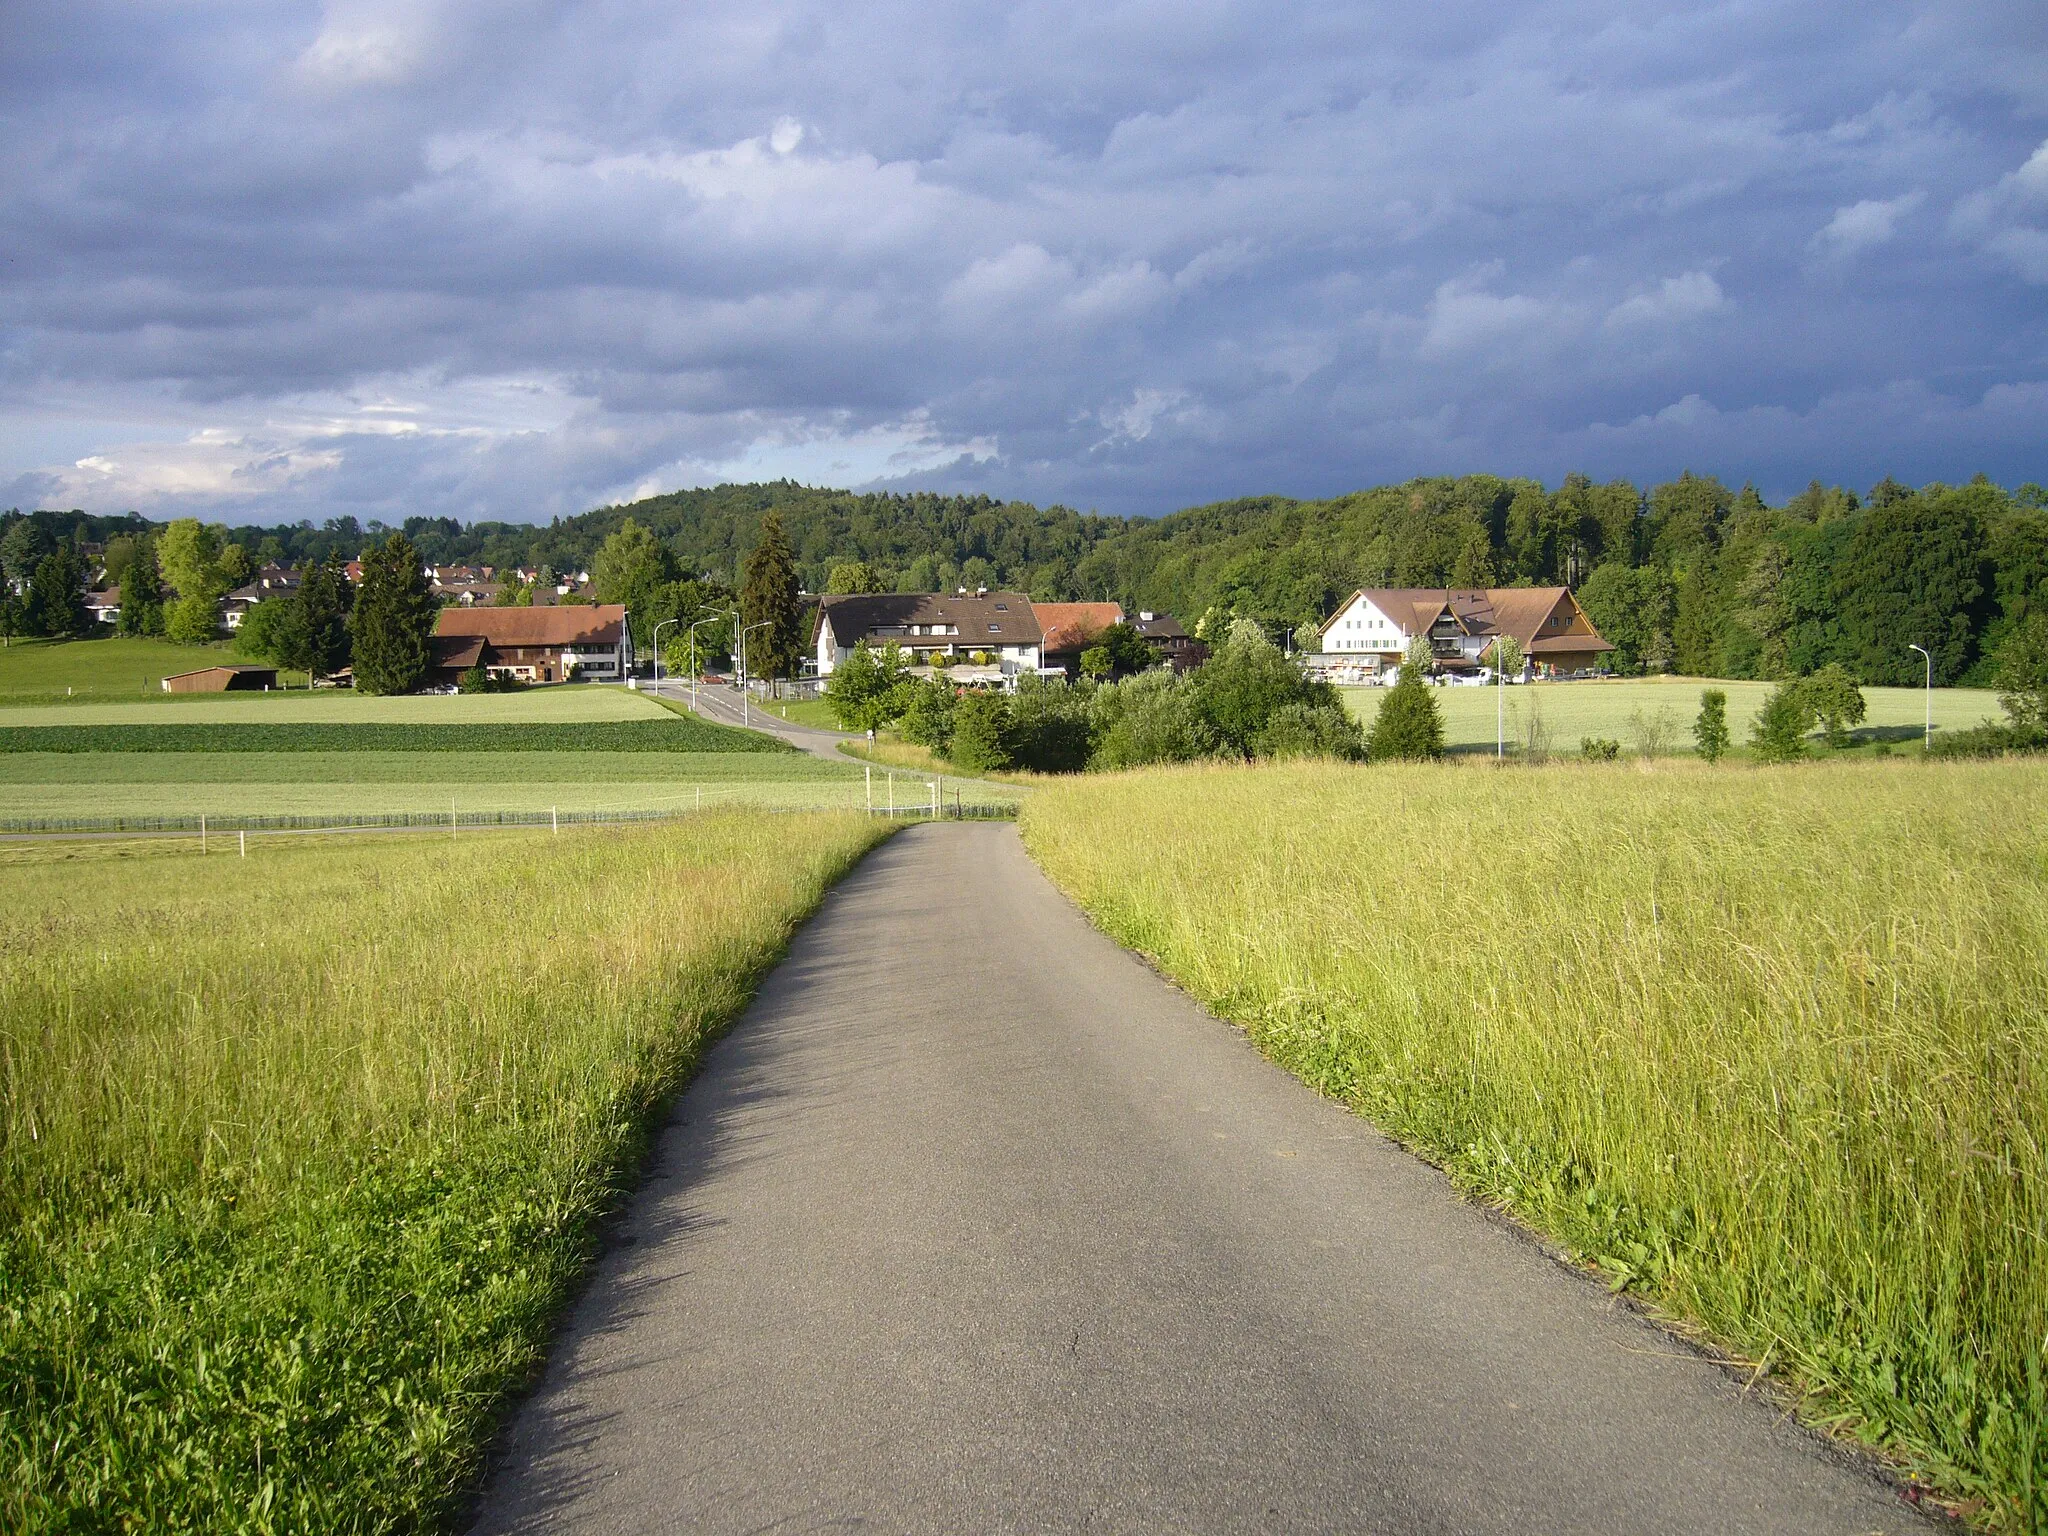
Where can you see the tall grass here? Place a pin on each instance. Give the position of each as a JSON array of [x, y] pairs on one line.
[[1770, 1046], [300, 1156]]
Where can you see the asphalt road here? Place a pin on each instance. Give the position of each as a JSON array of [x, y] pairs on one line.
[[973, 1224], [723, 705]]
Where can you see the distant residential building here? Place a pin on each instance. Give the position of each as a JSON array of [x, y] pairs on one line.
[[1370, 633], [104, 607], [272, 581], [1000, 626], [535, 645], [1068, 629], [1171, 643]]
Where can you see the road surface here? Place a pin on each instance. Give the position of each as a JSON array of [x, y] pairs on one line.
[[974, 1224], [723, 705]]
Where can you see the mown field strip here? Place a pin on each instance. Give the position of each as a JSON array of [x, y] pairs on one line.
[[566, 704], [1770, 1045], [297, 1167], [457, 767], [1571, 711]]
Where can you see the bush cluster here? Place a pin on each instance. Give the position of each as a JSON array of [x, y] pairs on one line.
[[1249, 702]]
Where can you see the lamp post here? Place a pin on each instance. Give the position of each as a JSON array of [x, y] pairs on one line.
[[746, 699], [1927, 738], [709, 618], [655, 642]]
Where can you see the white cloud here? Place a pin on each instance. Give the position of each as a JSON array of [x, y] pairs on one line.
[[2009, 220], [1464, 318], [1862, 226], [1675, 301]]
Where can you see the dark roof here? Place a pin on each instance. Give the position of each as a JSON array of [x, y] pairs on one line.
[[459, 652], [988, 618], [1160, 626], [566, 624]]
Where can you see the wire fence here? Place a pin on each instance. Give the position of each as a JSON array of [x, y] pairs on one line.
[[457, 821]]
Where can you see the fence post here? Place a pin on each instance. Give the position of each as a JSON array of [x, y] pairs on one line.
[[868, 773], [245, 843], [555, 819], [202, 831]]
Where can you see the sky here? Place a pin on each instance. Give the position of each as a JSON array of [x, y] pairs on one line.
[[263, 261]]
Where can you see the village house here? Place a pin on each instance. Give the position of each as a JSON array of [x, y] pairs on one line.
[[272, 581], [535, 645], [1169, 641], [1367, 638], [986, 637], [1068, 629]]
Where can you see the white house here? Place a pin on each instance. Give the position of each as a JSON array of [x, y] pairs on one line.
[[1000, 627], [1370, 632]]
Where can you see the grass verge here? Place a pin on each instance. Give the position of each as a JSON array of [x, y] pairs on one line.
[[1770, 1047], [110, 667], [298, 1168]]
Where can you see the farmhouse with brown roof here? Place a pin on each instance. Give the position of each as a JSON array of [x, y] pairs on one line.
[[1068, 629], [999, 627], [535, 645], [1370, 632]]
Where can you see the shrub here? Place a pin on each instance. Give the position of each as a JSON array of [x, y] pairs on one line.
[[927, 718], [983, 735], [1596, 749], [1837, 703], [1310, 730], [1049, 726], [1778, 734], [1710, 730], [1245, 683], [2023, 675], [1151, 718], [1408, 724]]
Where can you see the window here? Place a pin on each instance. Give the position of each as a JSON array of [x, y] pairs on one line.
[[1002, 607], [995, 629]]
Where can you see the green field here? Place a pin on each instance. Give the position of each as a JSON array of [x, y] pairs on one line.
[[34, 671], [563, 704], [1605, 708], [816, 713], [301, 1158], [1768, 1045]]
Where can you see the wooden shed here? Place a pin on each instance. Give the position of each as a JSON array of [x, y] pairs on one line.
[[232, 679]]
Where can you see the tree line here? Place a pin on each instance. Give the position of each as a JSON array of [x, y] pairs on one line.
[[1686, 576]]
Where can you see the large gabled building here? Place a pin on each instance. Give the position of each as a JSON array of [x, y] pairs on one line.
[[999, 628], [535, 645], [1370, 632]]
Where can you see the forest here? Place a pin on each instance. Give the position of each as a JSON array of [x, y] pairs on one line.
[[1686, 576]]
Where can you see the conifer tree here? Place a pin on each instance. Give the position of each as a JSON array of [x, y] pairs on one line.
[[769, 593], [394, 619], [1408, 725]]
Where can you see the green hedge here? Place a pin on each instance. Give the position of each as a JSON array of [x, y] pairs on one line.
[[671, 735]]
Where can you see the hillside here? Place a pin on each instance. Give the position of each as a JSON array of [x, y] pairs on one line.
[[1687, 576]]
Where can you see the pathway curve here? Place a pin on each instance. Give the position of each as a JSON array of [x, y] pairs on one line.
[[974, 1224]]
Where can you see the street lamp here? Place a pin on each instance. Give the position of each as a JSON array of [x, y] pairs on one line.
[[1927, 740], [709, 618], [655, 642], [746, 699]]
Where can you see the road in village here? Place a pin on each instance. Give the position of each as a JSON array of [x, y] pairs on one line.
[[974, 1224]]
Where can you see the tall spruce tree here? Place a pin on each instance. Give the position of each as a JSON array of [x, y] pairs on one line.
[[769, 594], [1408, 724], [142, 593], [393, 620], [320, 635]]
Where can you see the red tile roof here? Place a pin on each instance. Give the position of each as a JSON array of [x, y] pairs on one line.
[[567, 624]]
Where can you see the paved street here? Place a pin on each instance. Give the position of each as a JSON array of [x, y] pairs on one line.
[[974, 1224]]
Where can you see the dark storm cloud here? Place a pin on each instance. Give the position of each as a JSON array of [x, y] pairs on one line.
[[510, 259]]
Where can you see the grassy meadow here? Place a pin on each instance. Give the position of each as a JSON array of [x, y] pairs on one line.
[[561, 704], [115, 667], [1770, 1046], [1608, 708], [298, 1165]]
